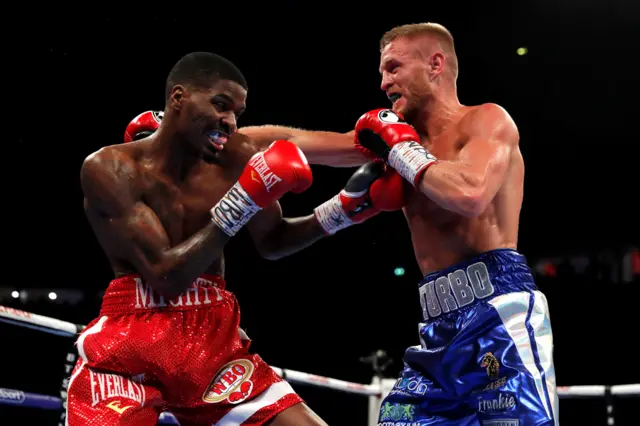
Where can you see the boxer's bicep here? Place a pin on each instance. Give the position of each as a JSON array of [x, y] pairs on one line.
[[320, 147], [137, 237], [143, 239], [491, 138], [488, 162], [129, 227], [468, 183], [104, 181]]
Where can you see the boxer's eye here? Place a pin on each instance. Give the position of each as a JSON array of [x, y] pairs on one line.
[[222, 102], [221, 106]]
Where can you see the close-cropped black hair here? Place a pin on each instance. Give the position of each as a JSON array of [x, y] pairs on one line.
[[201, 69]]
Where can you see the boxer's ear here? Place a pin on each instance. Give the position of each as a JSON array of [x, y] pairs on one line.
[[436, 65], [177, 97]]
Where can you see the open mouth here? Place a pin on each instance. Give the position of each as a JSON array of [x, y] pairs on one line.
[[393, 97], [218, 138]]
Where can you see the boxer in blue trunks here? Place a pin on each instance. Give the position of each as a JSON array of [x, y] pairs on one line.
[[486, 348]]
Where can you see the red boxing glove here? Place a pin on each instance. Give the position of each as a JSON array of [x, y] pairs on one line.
[[387, 193], [373, 188], [384, 134], [266, 178], [143, 125]]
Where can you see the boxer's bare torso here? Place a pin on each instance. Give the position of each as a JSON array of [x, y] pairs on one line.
[[170, 202], [442, 237]]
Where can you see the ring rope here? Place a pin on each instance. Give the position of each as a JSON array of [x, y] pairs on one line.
[[39, 322], [59, 327], [45, 402]]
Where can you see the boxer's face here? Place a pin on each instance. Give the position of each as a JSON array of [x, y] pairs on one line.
[[209, 116], [404, 75]]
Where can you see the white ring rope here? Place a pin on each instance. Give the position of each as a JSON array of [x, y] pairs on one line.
[[64, 328], [38, 322], [598, 390]]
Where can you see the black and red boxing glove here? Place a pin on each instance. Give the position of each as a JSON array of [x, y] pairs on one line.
[[143, 125], [266, 178], [373, 188], [384, 134]]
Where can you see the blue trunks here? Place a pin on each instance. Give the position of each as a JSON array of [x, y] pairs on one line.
[[486, 350]]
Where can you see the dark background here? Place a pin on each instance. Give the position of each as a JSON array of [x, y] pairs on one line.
[[78, 76]]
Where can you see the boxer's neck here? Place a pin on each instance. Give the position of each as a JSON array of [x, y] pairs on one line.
[[438, 112], [171, 154]]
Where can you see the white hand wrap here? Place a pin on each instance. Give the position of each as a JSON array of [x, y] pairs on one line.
[[331, 216], [409, 159], [234, 210]]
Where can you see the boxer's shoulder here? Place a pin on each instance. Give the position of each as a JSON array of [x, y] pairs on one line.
[[488, 118], [108, 175], [110, 159], [482, 112]]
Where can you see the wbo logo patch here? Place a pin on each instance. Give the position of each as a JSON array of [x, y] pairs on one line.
[[231, 383]]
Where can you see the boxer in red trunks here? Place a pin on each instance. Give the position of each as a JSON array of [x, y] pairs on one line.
[[162, 208]]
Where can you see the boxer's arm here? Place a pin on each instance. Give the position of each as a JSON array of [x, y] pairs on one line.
[[467, 186], [135, 233], [320, 147], [276, 237]]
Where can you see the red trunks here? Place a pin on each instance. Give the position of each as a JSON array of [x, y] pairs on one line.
[[145, 355]]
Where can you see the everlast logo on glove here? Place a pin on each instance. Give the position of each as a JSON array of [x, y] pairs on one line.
[[269, 179], [259, 185]]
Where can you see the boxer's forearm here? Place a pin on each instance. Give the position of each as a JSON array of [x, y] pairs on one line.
[[454, 187], [290, 236], [320, 147], [180, 265]]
